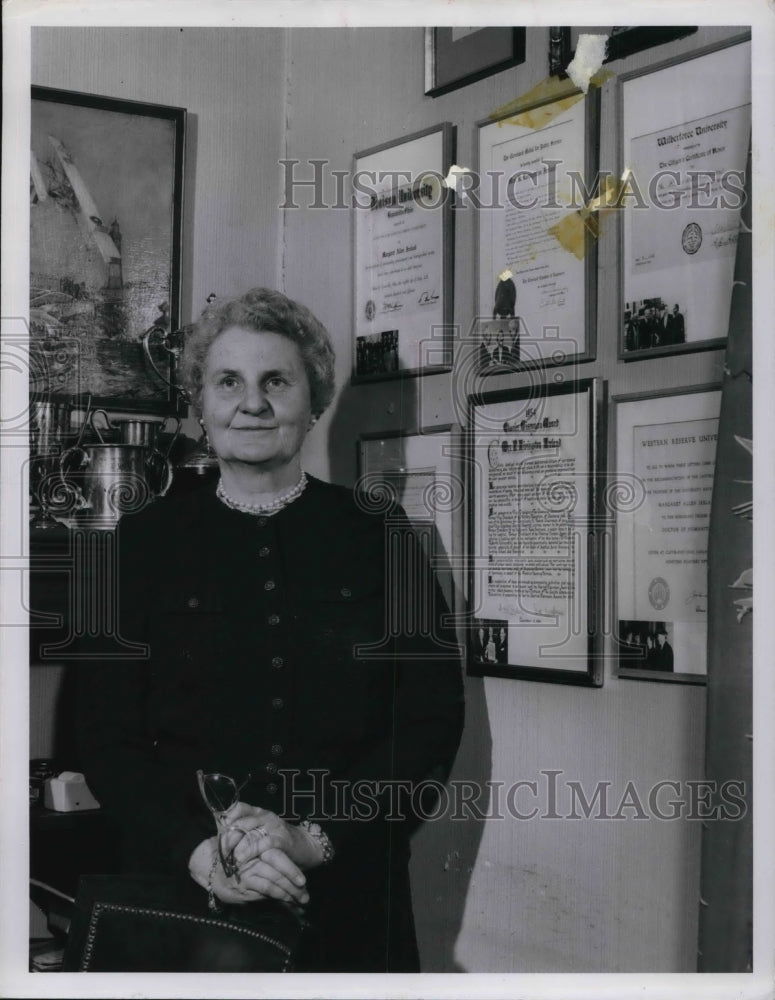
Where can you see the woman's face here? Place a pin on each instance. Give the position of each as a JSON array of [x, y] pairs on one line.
[[256, 398]]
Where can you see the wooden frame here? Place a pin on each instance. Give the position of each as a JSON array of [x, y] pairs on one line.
[[403, 259], [106, 192], [686, 162], [535, 590], [455, 57], [536, 256], [662, 492]]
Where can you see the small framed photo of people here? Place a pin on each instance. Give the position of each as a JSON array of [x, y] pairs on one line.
[[537, 254], [403, 257], [661, 499], [534, 588], [686, 133]]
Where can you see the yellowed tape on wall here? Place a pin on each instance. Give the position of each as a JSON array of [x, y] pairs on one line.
[[573, 231], [552, 94]]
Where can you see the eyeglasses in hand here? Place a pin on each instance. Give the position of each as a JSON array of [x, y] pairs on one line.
[[220, 793]]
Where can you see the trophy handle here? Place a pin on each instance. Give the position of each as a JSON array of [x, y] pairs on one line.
[[81, 503], [164, 345], [173, 439], [159, 469], [108, 425], [85, 422]]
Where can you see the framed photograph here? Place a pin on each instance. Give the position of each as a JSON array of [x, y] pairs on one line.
[[403, 257], [535, 589], [665, 462], [106, 189], [686, 132], [537, 254], [455, 57], [422, 472], [623, 41]]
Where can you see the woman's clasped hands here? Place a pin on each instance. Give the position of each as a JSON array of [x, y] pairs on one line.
[[269, 856]]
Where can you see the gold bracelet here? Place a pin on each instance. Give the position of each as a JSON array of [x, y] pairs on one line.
[[320, 838]]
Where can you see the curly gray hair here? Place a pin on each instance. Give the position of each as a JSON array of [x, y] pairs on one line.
[[265, 311]]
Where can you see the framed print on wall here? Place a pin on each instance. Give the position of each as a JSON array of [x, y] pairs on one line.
[[537, 255], [535, 592], [403, 257], [457, 56], [106, 189], [686, 131], [665, 461]]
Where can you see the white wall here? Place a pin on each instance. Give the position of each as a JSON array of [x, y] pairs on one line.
[[500, 896]]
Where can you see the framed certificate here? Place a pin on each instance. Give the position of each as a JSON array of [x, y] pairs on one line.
[[423, 473], [686, 129], [537, 255], [665, 461], [403, 257], [535, 591]]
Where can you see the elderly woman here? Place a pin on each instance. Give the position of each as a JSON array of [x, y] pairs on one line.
[[280, 647]]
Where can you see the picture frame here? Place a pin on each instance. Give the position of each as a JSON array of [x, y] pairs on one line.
[[623, 41], [536, 252], [535, 590], [456, 57], [106, 193], [403, 259], [686, 166], [422, 471], [662, 491]]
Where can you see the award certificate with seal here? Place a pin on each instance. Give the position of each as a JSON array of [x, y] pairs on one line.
[[686, 136], [665, 462], [403, 257]]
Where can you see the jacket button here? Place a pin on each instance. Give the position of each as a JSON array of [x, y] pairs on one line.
[[270, 585], [346, 592], [271, 768], [277, 704], [277, 662], [193, 602], [276, 750], [261, 522], [271, 788], [263, 551], [274, 619]]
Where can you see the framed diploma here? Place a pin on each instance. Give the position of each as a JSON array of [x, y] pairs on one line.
[[665, 460], [422, 472], [686, 130], [403, 257], [537, 259], [535, 591]]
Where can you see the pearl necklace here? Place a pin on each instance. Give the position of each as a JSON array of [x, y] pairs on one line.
[[263, 508]]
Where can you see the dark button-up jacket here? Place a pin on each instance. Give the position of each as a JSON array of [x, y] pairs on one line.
[[306, 649]]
